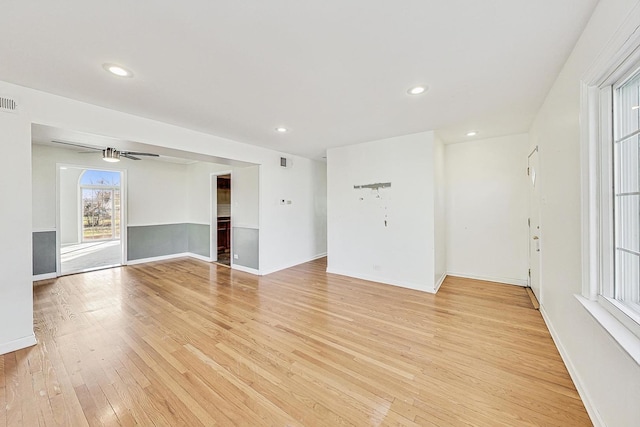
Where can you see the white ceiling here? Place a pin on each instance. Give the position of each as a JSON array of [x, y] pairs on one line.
[[334, 72]]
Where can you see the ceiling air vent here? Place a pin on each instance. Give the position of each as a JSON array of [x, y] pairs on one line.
[[8, 105]]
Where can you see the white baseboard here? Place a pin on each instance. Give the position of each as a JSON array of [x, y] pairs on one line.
[[158, 258], [200, 257], [440, 281], [246, 269], [383, 280], [18, 344], [596, 419], [505, 280], [45, 276], [284, 267]]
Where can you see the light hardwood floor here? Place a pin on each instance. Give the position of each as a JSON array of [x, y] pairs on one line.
[[184, 342]]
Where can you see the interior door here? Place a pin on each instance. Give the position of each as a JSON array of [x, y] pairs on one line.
[[534, 224]]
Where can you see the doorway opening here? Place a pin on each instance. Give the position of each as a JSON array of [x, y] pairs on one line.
[[90, 215], [223, 218]]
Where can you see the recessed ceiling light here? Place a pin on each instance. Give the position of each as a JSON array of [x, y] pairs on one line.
[[117, 70], [472, 133], [636, 107], [282, 129], [417, 90]]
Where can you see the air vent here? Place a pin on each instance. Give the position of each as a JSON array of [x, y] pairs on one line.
[[285, 162], [8, 105]]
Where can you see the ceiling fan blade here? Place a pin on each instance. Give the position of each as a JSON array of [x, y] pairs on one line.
[[140, 154], [128, 156], [73, 144]]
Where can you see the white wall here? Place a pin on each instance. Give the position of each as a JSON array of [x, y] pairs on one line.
[[487, 209], [297, 227], [199, 190], [245, 197], [16, 294], [69, 199], [608, 378], [440, 212], [319, 185], [156, 191], [360, 244]]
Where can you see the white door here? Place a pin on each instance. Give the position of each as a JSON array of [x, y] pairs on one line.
[[534, 224]]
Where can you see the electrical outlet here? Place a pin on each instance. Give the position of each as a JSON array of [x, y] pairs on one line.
[[235, 256]]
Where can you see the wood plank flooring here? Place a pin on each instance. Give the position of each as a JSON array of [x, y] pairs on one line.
[[184, 342]]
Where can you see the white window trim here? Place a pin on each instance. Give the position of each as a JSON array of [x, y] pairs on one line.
[[620, 58]]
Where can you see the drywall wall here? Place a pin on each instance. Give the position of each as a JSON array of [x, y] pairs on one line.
[[69, 196], [487, 209], [440, 215], [245, 212], [156, 193], [245, 197], [299, 226], [199, 189], [608, 378], [16, 294], [156, 190], [385, 235]]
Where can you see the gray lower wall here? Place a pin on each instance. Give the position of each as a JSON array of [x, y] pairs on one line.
[[44, 252], [245, 246], [199, 239], [148, 241]]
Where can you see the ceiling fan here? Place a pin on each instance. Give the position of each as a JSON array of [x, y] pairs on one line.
[[109, 154]]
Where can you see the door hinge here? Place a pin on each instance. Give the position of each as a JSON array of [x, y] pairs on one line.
[[529, 272], [527, 171], [529, 222]]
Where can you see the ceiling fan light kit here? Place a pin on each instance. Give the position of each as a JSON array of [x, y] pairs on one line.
[[110, 155]]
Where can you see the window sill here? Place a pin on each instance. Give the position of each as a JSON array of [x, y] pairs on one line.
[[626, 339]]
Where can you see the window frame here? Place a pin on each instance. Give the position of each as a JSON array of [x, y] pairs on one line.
[[613, 69]]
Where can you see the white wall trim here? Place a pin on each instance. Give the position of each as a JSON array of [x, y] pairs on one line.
[[44, 276], [621, 334], [322, 255], [158, 258], [246, 269], [18, 344], [595, 416], [440, 281], [200, 257], [43, 230], [385, 281], [505, 280], [275, 270], [162, 223]]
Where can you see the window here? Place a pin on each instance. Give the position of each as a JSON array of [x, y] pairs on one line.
[[610, 158], [626, 184], [100, 203]]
